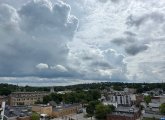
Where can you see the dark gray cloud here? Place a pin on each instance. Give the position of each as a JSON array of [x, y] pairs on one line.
[[130, 33], [135, 49], [133, 20], [113, 1], [101, 64], [132, 45], [119, 41], [129, 38]]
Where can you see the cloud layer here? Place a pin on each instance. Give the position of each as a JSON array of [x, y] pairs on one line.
[[56, 41]]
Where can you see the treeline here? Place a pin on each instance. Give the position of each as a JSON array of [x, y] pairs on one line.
[[141, 87], [6, 89], [73, 97]]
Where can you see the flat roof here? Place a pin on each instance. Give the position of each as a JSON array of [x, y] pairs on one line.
[[59, 108], [123, 114], [17, 111], [126, 109], [42, 105]]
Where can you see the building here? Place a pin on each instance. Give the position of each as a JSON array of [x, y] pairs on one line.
[[110, 103], [130, 90], [155, 103], [139, 98], [155, 92], [17, 113], [63, 110], [4, 99], [153, 115], [2, 110], [125, 113], [42, 109], [158, 99], [57, 111], [1, 113], [122, 98], [52, 90], [64, 92], [26, 98]]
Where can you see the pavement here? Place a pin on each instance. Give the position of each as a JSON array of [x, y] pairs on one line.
[[74, 117]]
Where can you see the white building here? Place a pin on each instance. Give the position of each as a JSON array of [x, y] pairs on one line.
[[2, 109], [122, 98]]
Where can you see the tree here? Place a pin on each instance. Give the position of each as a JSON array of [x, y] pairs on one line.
[[90, 109], [103, 110], [117, 87], [35, 116], [162, 108], [147, 99], [38, 102], [46, 99]]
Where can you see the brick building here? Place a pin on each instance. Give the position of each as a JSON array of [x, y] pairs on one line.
[[42, 109], [26, 98], [125, 113], [62, 111]]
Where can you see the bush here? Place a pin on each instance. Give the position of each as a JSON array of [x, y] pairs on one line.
[[35, 116]]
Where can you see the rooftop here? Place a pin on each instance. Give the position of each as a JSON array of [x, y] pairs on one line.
[[127, 109], [123, 114], [17, 111], [61, 107]]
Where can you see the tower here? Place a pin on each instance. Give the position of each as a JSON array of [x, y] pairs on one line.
[[52, 90]]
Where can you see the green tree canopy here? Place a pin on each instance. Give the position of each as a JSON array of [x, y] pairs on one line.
[[162, 108], [90, 109], [103, 110], [35, 116], [147, 99]]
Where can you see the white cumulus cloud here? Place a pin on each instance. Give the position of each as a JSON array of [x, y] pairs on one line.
[[42, 66]]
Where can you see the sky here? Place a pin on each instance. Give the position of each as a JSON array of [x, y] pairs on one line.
[[65, 42]]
